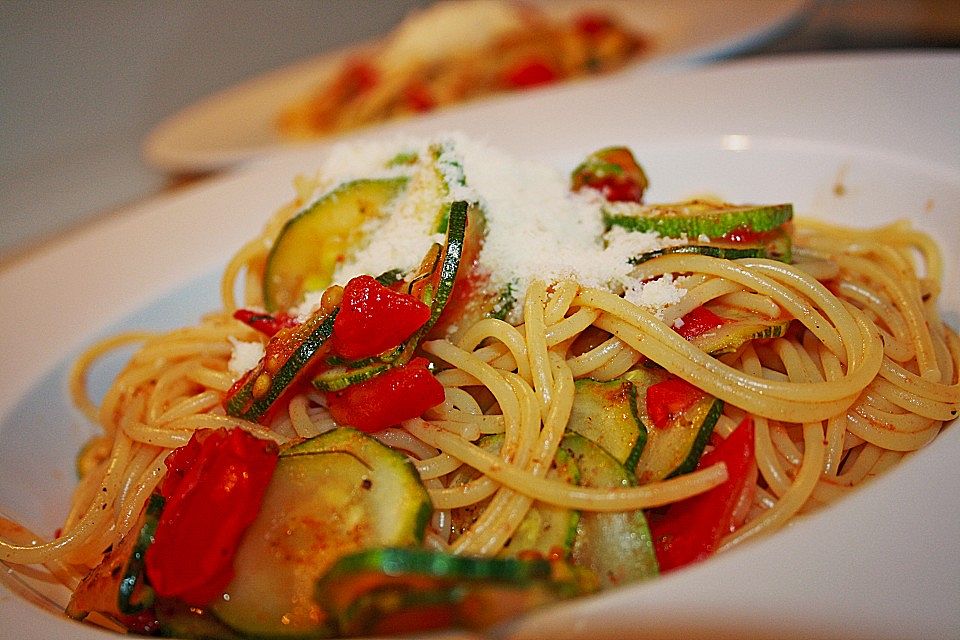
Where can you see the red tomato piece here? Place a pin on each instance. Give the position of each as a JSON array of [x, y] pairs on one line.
[[418, 97], [691, 530], [392, 397], [698, 322], [266, 323], [374, 318], [749, 236], [213, 490], [530, 73], [592, 24], [614, 172], [358, 76], [668, 399]]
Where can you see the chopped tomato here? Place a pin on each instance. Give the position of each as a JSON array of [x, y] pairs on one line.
[[358, 76], [668, 399], [213, 490], [691, 530], [374, 318], [698, 322], [592, 24], [392, 397], [418, 97], [614, 172], [470, 291], [746, 235], [534, 72], [266, 323]]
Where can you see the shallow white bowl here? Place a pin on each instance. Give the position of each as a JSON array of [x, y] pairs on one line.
[[881, 564]]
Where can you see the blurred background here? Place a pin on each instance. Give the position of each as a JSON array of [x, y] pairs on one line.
[[83, 83]]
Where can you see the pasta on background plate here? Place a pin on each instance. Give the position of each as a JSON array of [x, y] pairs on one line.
[[447, 386], [462, 50]]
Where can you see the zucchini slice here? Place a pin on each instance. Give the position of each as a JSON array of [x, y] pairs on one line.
[[446, 170], [675, 449], [617, 547], [117, 586], [606, 413], [545, 529], [740, 327], [311, 244], [178, 620], [134, 595], [694, 218], [342, 376], [390, 591], [257, 392], [779, 246], [433, 284], [334, 494], [436, 288]]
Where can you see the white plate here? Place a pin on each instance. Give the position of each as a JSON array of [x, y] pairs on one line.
[[238, 124], [880, 564]]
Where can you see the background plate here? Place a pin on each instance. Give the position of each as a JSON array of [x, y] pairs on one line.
[[239, 123]]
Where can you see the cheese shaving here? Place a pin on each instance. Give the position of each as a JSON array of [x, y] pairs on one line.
[[536, 227]]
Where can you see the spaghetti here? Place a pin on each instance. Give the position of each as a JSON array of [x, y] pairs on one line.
[[457, 52], [864, 373]]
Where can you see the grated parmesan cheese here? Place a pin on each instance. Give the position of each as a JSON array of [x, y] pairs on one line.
[[245, 355], [655, 295], [536, 227]]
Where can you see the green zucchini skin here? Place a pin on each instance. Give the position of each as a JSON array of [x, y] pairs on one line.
[[177, 620], [134, 573], [312, 336], [331, 495], [694, 218], [441, 277], [742, 326], [449, 266], [341, 377], [606, 413], [676, 449], [780, 247], [545, 529], [617, 547], [364, 591]]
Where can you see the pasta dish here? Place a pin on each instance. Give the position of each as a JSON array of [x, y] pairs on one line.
[[457, 51], [447, 386]]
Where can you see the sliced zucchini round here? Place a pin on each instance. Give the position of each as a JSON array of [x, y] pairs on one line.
[[258, 392], [389, 591], [340, 377], [676, 449], [694, 218], [617, 547], [779, 246], [606, 413], [545, 529], [334, 494], [740, 327], [312, 244]]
